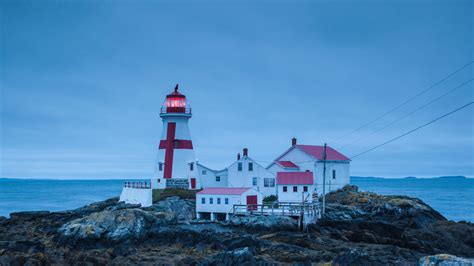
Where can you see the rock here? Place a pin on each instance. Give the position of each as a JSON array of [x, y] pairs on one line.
[[362, 200], [445, 260], [28, 215], [115, 225], [360, 228], [241, 256], [184, 209], [349, 203], [263, 222], [353, 257], [122, 205], [96, 206]]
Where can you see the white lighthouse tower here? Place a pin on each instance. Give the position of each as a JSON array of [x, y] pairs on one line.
[[176, 164]]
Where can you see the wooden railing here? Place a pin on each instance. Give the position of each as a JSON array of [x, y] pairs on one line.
[[280, 208], [137, 184]]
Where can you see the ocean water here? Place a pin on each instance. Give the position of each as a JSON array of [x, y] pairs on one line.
[[454, 198]]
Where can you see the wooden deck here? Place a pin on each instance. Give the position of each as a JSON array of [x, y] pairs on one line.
[[310, 212]]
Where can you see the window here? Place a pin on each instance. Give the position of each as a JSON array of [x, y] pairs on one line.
[[269, 182], [305, 189], [160, 166], [203, 200], [295, 189], [211, 200], [239, 166], [218, 200], [226, 200], [191, 167], [250, 166], [203, 172], [285, 189], [333, 174], [254, 181], [218, 178]]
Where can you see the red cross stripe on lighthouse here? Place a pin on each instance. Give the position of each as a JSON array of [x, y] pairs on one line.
[[169, 145]]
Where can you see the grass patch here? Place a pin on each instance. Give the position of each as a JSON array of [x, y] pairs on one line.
[[159, 194]]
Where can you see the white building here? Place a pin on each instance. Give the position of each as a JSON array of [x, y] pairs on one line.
[[244, 172], [217, 203], [311, 158], [209, 178], [295, 187]]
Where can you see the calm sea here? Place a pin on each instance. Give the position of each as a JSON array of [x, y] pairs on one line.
[[454, 198]]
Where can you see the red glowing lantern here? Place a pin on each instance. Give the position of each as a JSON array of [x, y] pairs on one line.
[[175, 102]]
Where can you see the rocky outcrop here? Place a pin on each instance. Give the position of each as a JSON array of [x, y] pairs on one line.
[[445, 260], [115, 225], [365, 217], [184, 209], [403, 211], [359, 228], [267, 223]]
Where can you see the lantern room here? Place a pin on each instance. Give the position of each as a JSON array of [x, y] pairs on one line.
[[175, 103]]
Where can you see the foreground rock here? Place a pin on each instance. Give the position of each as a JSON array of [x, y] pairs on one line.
[[360, 228], [445, 260], [116, 225]]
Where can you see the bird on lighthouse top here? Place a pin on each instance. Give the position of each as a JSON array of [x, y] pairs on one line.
[[176, 103]]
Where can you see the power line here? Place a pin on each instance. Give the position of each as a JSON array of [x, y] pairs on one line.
[[413, 130], [405, 102], [408, 114]]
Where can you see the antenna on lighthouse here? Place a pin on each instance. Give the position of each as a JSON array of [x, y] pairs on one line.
[[176, 88]]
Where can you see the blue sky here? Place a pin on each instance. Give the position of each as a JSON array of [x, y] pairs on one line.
[[82, 82]]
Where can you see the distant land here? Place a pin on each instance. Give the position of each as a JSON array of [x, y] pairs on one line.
[[144, 179], [410, 177]]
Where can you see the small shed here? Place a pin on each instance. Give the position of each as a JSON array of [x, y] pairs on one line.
[[295, 187], [217, 203]]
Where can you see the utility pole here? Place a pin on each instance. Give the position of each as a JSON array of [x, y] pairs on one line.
[[324, 179]]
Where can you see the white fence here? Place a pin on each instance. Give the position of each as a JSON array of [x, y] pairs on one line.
[[310, 212]]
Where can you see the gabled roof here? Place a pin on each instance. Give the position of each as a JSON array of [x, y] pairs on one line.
[[318, 153], [223, 191], [287, 164], [294, 178]]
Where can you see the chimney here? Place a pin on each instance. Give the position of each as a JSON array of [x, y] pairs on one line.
[[293, 141], [238, 156], [246, 152]]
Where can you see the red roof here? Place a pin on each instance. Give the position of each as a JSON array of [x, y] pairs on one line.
[[294, 178], [223, 191], [287, 164], [317, 152]]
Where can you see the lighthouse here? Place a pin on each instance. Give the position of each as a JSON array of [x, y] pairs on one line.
[[175, 165]]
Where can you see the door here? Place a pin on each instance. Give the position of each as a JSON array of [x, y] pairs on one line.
[[193, 183], [252, 203]]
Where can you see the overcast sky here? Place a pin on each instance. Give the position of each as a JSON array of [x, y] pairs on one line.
[[82, 83]]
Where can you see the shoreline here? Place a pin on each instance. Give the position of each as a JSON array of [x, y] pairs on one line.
[[359, 228]]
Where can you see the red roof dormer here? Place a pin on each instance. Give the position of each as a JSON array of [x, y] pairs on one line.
[[175, 102]]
